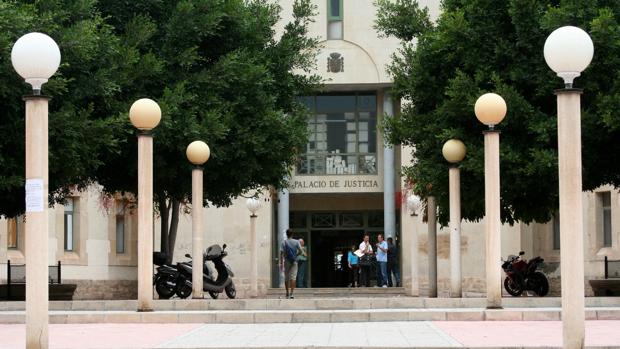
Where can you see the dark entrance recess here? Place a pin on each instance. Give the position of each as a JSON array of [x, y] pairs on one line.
[[329, 256], [329, 237]]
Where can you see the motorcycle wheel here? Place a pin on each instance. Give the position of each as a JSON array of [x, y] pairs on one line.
[[165, 287], [512, 288], [184, 290], [214, 295], [230, 290], [540, 284]]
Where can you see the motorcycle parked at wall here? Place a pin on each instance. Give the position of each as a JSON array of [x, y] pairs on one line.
[[214, 286], [185, 277], [166, 278], [523, 276]]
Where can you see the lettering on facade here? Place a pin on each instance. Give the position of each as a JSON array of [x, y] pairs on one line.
[[336, 184]]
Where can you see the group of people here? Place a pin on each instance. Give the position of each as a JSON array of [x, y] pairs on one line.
[[361, 261], [294, 260]]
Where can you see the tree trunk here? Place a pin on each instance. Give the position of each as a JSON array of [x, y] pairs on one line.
[[164, 209], [174, 225]]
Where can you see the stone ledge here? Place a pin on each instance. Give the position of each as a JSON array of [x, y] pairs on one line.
[[409, 303], [310, 316]]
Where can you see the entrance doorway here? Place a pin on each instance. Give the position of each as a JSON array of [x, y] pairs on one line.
[[328, 236], [328, 256]]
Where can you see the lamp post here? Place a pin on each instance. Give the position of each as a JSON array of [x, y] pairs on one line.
[[413, 204], [145, 115], [568, 51], [197, 153], [36, 57], [253, 205], [491, 109], [454, 152], [431, 209]]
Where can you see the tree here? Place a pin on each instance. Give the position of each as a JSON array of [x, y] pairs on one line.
[[84, 92], [478, 46], [219, 75]]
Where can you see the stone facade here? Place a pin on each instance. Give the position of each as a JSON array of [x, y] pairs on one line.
[[102, 273], [104, 289]]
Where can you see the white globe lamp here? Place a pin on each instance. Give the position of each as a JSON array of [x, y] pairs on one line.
[[35, 57], [198, 153], [413, 203], [454, 151], [145, 114], [253, 205], [568, 51], [490, 109]]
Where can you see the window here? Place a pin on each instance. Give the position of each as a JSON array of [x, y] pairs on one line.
[[69, 225], [376, 219], [334, 19], [342, 135], [606, 217], [15, 227], [351, 220], [120, 227], [556, 231], [323, 220]]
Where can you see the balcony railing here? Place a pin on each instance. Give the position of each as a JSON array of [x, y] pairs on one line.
[[337, 164]]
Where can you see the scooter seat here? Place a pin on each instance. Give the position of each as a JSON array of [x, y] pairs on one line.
[[213, 251]]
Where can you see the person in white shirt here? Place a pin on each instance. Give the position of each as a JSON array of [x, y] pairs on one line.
[[365, 260], [382, 249]]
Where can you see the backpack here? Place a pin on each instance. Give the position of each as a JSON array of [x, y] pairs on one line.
[[290, 253]]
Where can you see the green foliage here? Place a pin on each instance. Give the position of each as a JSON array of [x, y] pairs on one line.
[[479, 46], [215, 67], [84, 92], [220, 76], [402, 18]]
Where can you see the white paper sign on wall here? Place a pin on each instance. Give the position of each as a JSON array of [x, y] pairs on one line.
[[34, 195]]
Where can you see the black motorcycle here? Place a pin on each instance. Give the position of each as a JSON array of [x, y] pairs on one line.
[[214, 286], [523, 276], [166, 278]]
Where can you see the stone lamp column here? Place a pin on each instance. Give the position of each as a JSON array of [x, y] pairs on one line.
[[145, 115], [568, 51], [491, 109], [197, 153], [253, 205], [36, 57], [454, 152]]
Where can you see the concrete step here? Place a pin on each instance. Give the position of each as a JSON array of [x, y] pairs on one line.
[[317, 303], [311, 316], [340, 292], [382, 347]]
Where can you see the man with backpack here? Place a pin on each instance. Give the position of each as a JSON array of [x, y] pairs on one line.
[[289, 251]]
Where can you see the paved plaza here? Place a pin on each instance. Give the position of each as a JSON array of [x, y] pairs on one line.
[[420, 334]]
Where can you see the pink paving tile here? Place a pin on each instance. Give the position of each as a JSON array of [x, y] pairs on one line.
[[527, 333], [98, 336]]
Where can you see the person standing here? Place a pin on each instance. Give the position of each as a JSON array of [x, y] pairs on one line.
[[302, 265], [382, 249], [392, 266], [354, 269], [289, 251], [365, 260]]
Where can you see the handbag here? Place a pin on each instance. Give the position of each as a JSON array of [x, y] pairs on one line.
[[366, 260]]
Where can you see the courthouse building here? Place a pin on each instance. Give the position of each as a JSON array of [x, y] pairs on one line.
[[347, 182]]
